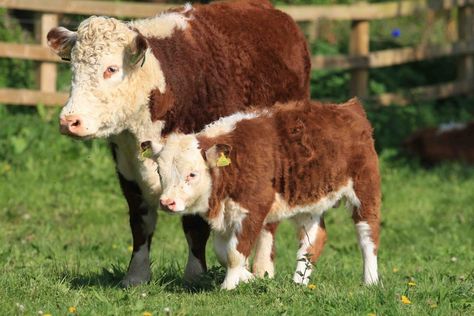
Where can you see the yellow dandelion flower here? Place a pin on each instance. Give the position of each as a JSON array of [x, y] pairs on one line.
[[395, 270], [72, 310], [434, 305], [147, 314], [311, 286], [405, 300], [130, 248], [411, 283], [47, 315], [371, 314]]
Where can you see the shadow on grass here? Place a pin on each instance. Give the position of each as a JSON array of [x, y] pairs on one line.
[[171, 280], [169, 277]]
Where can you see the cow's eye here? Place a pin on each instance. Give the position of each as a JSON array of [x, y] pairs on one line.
[[191, 176], [110, 71]]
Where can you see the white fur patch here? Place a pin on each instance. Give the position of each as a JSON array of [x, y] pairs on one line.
[[310, 225], [367, 247], [164, 24], [227, 124], [443, 128], [230, 217], [236, 266], [281, 210], [262, 262]]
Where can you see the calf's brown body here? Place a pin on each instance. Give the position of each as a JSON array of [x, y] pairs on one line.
[[305, 153]]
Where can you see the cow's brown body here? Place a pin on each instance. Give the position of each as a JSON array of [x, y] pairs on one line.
[[232, 55], [449, 142]]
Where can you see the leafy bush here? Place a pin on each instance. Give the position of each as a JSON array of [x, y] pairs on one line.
[[14, 73]]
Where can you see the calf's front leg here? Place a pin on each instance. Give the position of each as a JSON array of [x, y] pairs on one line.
[[238, 243]]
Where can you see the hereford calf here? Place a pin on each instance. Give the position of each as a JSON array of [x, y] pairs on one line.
[[294, 161], [454, 141]]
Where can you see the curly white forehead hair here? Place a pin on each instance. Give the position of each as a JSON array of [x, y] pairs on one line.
[[98, 35]]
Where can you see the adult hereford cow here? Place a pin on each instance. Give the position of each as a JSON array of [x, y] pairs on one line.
[[452, 141], [133, 81], [294, 161]]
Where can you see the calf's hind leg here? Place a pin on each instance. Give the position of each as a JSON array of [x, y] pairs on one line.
[[312, 236], [366, 218]]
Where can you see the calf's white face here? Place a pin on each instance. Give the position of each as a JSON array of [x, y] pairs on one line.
[[185, 176], [109, 84]]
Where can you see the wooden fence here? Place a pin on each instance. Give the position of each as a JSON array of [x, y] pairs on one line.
[[358, 61]]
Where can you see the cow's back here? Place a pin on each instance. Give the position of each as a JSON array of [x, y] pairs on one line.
[[231, 55]]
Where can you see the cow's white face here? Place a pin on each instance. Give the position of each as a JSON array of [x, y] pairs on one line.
[[185, 176], [110, 84]]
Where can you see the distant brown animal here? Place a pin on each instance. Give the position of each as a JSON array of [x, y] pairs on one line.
[[454, 141], [256, 168], [179, 70]]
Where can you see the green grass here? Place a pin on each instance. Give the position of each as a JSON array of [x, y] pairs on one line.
[[65, 237]]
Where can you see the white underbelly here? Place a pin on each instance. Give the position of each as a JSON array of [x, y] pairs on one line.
[[281, 209]]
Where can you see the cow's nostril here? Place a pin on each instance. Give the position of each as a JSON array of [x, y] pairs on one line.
[[76, 123]]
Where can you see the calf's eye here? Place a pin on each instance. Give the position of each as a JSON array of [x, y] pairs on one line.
[[110, 71], [192, 175]]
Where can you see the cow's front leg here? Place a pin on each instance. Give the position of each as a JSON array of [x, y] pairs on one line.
[[142, 224], [197, 233]]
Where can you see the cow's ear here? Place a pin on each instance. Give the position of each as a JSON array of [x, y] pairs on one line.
[[218, 155], [138, 49], [61, 41]]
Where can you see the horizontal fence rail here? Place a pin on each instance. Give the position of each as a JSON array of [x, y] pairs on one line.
[[358, 61]]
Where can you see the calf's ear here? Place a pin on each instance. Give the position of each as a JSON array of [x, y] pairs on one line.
[[61, 41], [218, 155], [137, 50]]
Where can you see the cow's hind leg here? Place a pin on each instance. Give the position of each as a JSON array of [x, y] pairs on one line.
[[265, 252], [312, 236], [366, 217], [197, 233], [142, 223]]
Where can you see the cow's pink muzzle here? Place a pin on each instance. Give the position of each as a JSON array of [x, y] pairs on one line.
[[71, 125]]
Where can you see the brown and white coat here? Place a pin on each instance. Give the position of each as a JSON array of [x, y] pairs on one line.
[[452, 141], [293, 161], [139, 80]]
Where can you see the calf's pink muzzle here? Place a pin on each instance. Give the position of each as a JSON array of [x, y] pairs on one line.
[[168, 204]]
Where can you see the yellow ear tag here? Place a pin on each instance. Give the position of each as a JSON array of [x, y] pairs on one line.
[[223, 161]]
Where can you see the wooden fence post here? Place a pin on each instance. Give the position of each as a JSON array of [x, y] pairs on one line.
[[465, 33], [359, 46], [47, 73]]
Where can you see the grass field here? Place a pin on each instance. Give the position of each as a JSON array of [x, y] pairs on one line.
[[65, 242]]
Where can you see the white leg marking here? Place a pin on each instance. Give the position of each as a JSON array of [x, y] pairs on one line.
[[310, 225], [367, 248], [263, 255], [236, 266], [193, 267]]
